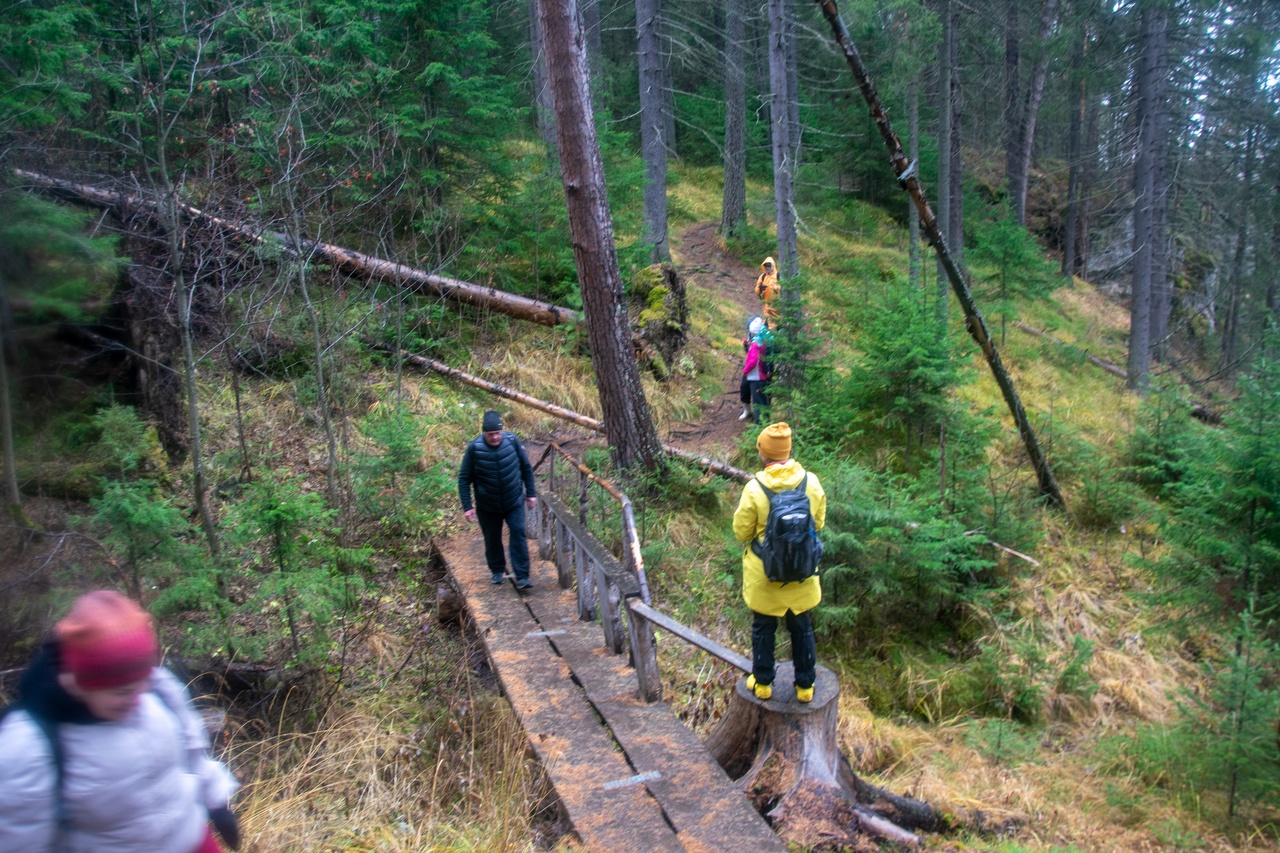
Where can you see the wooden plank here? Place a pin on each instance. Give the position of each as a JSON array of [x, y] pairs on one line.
[[709, 812], [705, 643], [592, 778]]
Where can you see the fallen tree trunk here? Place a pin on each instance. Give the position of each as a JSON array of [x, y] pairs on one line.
[[1113, 369], [703, 462], [1199, 411], [786, 758], [347, 260]]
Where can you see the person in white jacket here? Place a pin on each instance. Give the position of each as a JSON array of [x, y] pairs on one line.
[[103, 750]]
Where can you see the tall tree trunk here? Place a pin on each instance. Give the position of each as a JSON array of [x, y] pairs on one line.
[[1230, 352], [543, 110], [947, 16], [1012, 118], [1075, 153], [913, 151], [627, 420], [955, 193], [653, 147], [13, 496], [1144, 189], [780, 97], [733, 209], [1030, 113], [1161, 283]]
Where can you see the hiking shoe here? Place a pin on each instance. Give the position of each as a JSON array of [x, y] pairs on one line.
[[804, 694], [761, 691], [524, 583], [497, 578], [744, 416]]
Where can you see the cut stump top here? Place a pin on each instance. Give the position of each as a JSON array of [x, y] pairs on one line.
[[826, 690]]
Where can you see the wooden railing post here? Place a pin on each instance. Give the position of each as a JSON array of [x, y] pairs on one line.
[[582, 573], [565, 546], [610, 610], [644, 656]]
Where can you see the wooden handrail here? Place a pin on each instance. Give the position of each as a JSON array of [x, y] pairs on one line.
[[689, 635], [606, 585]]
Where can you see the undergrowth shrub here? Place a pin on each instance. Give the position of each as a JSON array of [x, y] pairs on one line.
[[298, 577], [892, 562]]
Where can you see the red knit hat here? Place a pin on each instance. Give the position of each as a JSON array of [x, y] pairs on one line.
[[107, 641]]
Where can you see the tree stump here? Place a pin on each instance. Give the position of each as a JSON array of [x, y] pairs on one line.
[[784, 754]]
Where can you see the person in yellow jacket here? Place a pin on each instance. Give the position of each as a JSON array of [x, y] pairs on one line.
[[767, 288], [771, 601]]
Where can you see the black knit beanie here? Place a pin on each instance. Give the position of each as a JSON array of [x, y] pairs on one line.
[[491, 421]]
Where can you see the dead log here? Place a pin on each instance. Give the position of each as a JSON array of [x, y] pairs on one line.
[[1199, 411], [348, 261], [703, 462], [1109, 367], [784, 754]]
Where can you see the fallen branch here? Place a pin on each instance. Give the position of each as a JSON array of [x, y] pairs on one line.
[[347, 260], [1113, 369], [703, 462]]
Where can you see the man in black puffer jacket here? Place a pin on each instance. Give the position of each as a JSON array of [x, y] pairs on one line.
[[496, 465]]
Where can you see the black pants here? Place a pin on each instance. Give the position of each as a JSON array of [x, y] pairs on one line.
[[751, 392], [804, 648], [491, 525]]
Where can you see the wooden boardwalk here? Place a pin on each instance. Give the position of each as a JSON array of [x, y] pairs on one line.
[[630, 774]]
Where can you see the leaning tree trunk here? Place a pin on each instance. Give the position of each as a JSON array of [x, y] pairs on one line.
[[653, 144], [633, 440], [786, 758], [977, 326]]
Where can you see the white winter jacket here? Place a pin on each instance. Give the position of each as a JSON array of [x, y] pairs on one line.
[[142, 785]]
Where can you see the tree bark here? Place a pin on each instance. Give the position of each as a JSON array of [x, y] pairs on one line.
[[786, 757], [1012, 118], [733, 208], [1078, 87], [955, 193], [947, 16], [1030, 113], [780, 98], [627, 419], [653, 145], [1145, 118]]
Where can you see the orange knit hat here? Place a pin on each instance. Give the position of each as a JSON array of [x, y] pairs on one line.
[[107, 640], [774, 442]]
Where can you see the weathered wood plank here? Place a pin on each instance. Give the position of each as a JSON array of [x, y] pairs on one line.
[[708, 811], [590, 775], [686, 633]]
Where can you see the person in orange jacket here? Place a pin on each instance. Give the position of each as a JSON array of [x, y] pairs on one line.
[[767, 288]]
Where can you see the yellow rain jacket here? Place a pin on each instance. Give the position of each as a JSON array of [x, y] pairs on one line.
[[761, 594], [767, 287]]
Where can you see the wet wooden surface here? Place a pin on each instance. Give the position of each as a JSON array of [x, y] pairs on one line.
[[630, 774]]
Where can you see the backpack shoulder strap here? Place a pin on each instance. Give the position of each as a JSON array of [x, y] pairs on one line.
[[768, 492], [48, 728]]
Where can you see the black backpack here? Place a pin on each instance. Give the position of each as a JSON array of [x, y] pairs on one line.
[[791, 549]]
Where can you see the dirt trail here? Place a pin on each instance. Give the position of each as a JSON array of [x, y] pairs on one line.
[[702, 261], [701, 258]]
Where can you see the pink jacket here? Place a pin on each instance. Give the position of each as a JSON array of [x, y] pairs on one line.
[[754, 361]]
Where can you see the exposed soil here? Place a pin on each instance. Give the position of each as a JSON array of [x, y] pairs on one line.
[[700, 255]]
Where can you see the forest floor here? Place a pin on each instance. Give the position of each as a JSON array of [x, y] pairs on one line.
[[702, 260]]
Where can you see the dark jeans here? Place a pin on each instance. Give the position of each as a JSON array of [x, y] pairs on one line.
[[491, 525], [751, 392], [804, 648]]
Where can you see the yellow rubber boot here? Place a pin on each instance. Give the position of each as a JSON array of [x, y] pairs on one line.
[[804, 694], [761, 691]]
